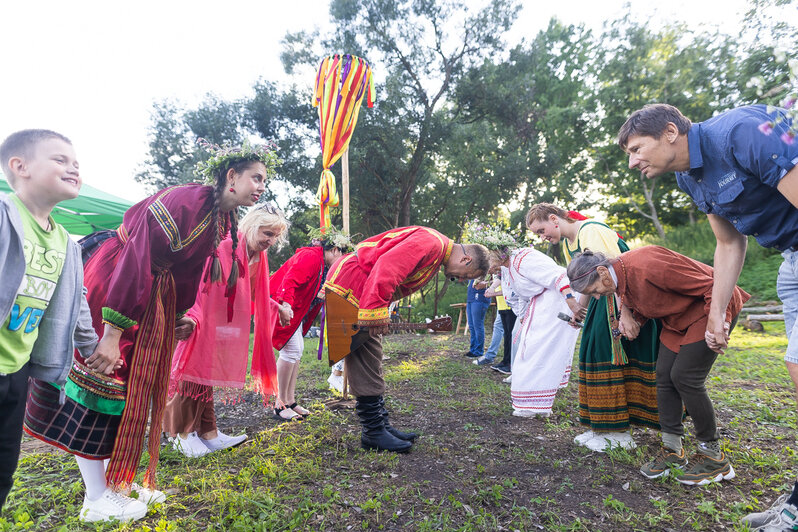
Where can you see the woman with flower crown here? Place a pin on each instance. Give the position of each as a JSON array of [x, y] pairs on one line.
[[297, 286], [617, 376], [212, 360], [546, 344], [141, 279]]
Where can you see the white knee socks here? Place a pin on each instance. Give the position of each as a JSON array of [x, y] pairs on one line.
[[93, 473]]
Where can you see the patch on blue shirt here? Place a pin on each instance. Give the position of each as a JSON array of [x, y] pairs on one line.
[[728, 178]]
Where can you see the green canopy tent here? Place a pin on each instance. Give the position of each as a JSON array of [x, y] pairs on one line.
[[93, 210]]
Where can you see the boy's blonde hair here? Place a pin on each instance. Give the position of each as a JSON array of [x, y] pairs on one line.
[[266, 215], [23, 144]]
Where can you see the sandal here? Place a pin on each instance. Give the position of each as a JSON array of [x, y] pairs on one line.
[[292, 416], [304, 412]]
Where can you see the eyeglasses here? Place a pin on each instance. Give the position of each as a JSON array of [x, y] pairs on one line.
[[270, 208]]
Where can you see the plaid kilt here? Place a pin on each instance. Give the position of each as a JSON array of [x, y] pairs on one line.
[[71, 427], [89, 244]]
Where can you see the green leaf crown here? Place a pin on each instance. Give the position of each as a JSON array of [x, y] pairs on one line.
[[227, 154]]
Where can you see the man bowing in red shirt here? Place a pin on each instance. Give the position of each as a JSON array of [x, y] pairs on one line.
[[385, 268]]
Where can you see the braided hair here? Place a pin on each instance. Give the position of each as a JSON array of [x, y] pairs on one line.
[[220, 221]]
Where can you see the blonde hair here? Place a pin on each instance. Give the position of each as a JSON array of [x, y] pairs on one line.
[[23, 144], [542, 211], [265, 216]]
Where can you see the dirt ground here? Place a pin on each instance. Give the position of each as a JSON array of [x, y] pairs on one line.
[[476, 467]]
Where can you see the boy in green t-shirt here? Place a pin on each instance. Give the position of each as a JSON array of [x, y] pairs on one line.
[[44, 315]]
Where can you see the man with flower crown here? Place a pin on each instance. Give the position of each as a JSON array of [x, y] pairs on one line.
[[385, 268]]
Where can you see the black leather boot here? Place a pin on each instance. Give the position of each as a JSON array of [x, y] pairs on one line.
[[407, 436], [374, 436]]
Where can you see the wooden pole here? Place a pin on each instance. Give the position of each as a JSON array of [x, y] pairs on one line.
[[435, 312], [345, 388], [345, 188]]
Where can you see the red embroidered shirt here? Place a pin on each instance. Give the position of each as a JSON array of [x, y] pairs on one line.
[[387, 267]]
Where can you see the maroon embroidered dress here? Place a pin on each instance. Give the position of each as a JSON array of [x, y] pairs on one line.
[[139, 280]]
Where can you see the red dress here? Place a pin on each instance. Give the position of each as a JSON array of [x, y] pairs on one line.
[[388, 267], [297, 283]]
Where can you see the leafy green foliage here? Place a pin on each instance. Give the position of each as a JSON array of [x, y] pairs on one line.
[[464, 127], [698, 242]]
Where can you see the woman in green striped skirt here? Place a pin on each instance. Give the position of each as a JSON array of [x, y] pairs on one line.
[[617, 377]]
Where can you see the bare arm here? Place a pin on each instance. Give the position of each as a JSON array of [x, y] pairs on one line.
[[729, 259], [788, 186], [577, 309], [491, 291]]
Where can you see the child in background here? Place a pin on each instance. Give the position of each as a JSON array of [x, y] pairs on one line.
[[42, 277]]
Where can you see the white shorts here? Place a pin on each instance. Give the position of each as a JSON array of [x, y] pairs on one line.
[[292, 350]]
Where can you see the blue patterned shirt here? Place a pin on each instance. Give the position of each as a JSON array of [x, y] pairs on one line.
[[734, 171]]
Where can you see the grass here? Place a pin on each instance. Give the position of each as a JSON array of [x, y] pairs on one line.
[[474, 468]]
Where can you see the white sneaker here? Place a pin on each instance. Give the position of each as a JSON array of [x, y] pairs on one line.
[[223, 441], [582, 438], [529, 413], [148, 496], [602, 441], [336, 382], [191, 447], [760, 519], [508, 379], [112, 505], [786, 519]]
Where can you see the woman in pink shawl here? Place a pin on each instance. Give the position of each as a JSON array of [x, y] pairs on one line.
[[214, 349]]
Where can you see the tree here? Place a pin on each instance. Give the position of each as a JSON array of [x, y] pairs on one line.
[[536, 109], [423, 47], [633, 67], [173, 138]]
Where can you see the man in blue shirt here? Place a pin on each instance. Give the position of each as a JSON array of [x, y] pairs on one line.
[[476, 308], [746, 181]]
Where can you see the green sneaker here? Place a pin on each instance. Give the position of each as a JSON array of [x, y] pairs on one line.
[[706, 469], [661, 465]]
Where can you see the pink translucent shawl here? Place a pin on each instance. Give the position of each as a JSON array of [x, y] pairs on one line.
[[216, 354]]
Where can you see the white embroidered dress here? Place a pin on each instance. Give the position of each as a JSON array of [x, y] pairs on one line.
[[545, 343]]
